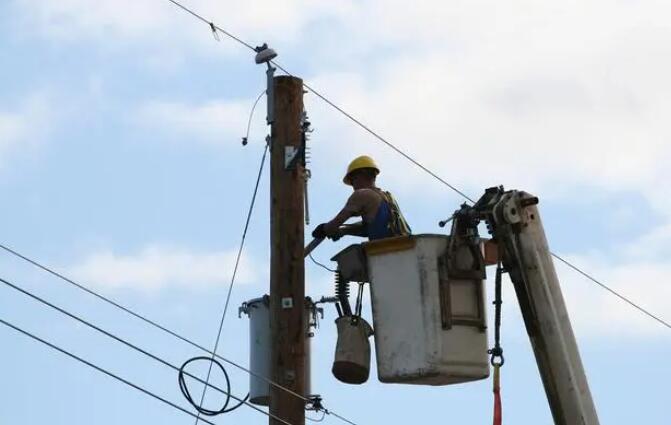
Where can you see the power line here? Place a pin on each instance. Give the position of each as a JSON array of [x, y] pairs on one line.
[[145, 319], [130, 345], [328, 101], [99, 369], [235, 271], [328, 412], [251, 115], [323, 266], [415, 162], [378, 136], [156, 324], [607, 288], [211, 24]]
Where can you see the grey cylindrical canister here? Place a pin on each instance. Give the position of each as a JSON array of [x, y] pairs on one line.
[[259, 348], [352, 354], [260, 343]]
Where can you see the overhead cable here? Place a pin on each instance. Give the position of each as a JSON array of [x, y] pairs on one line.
[[128, 344], [612, 291], [322, 265], [414, 161], [328, 101], [245, 139], [378, 136], [228, 296], [99, 369], [211, 24], [146, 320]]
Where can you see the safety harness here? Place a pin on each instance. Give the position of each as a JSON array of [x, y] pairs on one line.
[[389, 220]]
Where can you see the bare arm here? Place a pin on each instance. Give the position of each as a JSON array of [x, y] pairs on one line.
[[354, 229], [353, 208], [331, 228]]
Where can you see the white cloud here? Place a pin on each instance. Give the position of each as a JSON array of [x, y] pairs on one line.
[[70, 18], [166, 26], [24, 126], [12, 128], [157, 266], [555, 97], [638, 270], [544, 96], [595, 312], [215, 122], [558, 98], [535, 95]]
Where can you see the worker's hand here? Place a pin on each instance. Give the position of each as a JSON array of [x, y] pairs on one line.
[[319, 232], [337, 235]]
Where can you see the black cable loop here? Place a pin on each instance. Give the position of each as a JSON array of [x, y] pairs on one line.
[[187, 394]]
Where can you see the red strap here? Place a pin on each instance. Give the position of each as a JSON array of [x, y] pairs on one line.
[[498, 416]]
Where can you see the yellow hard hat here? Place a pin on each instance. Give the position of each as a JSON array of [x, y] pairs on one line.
[[363, 161]]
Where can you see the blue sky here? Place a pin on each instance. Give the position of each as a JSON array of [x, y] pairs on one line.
[[121, 166]]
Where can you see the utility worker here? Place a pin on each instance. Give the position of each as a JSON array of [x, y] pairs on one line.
[[379, 212]]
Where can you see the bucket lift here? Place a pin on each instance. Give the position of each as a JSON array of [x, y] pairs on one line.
[[427, 295]]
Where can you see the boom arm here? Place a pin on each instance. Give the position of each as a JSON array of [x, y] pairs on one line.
[[515, 223]]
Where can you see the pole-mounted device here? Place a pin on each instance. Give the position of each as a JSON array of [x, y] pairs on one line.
[[264, 54]]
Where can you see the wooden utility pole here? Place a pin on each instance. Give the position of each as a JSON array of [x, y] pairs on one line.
[[287, 267]]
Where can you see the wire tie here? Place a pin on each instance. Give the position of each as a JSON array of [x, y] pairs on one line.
[[215, 34]]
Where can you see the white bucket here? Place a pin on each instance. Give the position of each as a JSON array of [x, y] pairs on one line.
[[429, 330], [352, 355]]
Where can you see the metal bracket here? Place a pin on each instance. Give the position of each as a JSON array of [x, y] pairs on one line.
[[290, 154], [447, 316], [290, 375], [510, 211], [270, 95], [264, 54]]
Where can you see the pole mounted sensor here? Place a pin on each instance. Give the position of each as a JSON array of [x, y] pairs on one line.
[[265, 54]]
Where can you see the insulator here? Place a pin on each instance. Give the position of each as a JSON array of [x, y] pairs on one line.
[[342, 292]]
